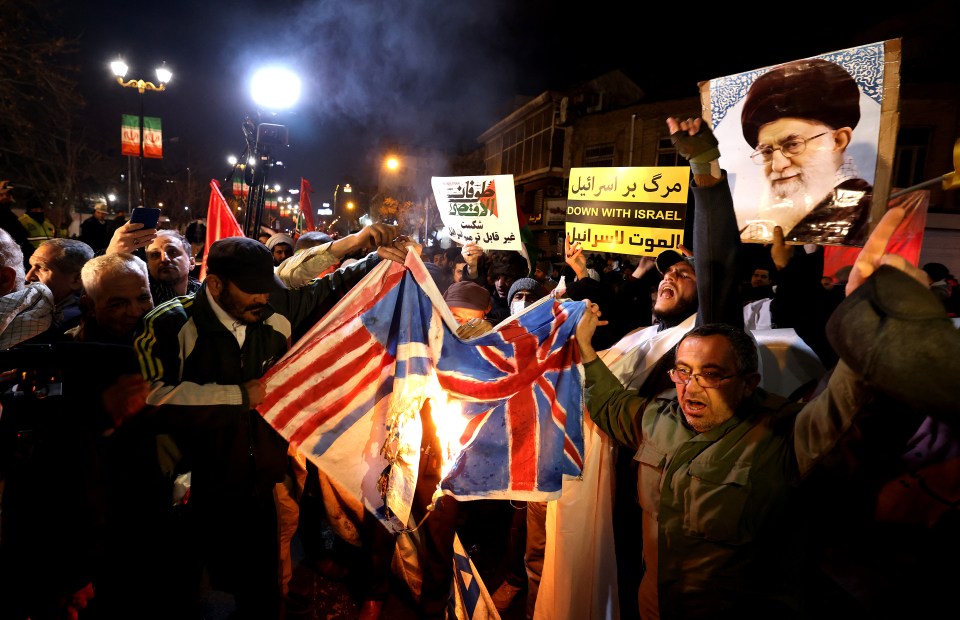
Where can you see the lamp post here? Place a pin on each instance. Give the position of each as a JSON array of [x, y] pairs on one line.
[[347, 189], [164, 75], [273, 89], [401, 176]]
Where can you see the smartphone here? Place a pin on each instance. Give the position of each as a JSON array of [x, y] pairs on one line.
[[148, 216]]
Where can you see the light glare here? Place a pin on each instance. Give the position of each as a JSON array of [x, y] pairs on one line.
[[275, 88]]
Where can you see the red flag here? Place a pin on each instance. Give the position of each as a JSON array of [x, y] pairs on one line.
[[305, 207], [220, 223], [906, 241]]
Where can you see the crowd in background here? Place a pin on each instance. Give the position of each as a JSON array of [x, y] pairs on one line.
[[101, 516]]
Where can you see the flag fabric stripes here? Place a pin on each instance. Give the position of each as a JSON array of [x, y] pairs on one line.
[[220, 223], [240, 188], [152, 137], [130, 135], [508, 405]]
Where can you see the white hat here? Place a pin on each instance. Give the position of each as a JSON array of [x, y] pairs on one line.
[[280, 238]]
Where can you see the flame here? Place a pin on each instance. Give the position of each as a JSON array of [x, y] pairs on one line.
[[402, 447], [450, 424]]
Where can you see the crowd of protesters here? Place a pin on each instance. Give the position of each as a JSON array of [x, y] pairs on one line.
[[137, 474]]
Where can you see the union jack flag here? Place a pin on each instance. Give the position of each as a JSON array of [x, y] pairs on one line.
[[508, 405]]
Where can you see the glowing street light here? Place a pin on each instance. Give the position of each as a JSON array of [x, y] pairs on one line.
[[164, 75], [275, 88]]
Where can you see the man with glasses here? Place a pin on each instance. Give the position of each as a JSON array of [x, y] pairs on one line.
[[723, 466], [576, 583], [799, 119]]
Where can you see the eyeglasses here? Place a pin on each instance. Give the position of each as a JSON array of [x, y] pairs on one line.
[[704, 379], [790, 148]]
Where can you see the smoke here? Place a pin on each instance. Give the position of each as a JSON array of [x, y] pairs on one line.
[[426, 72], [415, 73]]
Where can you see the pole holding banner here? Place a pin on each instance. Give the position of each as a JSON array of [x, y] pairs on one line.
[[164, 75]]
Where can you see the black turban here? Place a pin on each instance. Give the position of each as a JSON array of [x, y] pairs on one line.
[[812, 89]]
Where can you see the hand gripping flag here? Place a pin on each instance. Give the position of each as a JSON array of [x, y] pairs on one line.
[[508, 405]]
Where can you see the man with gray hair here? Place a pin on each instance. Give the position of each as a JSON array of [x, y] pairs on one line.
[[26, 310], [116, 296], [57, 264]]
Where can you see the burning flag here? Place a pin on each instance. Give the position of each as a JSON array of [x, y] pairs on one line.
[[508, 405]]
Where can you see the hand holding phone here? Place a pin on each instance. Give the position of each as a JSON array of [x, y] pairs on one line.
[[148, 216]]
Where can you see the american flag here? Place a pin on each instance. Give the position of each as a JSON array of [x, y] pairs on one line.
[[508, 404]]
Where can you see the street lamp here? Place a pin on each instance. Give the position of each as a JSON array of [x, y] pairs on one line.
[[275, 89], [347, 189], [403, 174], [164, 75]]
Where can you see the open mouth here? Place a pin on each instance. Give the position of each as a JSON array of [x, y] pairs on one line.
[[667, 292], [693, 406]]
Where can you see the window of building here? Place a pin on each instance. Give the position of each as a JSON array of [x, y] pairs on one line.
[[525, 147], [667, 154], [910, 157], [598, 156]]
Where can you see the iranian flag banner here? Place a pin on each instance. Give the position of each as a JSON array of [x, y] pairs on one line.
[[152, 142], [130, 135], [239, 187]]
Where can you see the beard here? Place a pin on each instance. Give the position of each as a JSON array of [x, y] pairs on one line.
[[676, 313], [247, 314], [791, 195]]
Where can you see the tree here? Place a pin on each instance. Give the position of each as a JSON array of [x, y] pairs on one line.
[[41, 140], [407, 213]]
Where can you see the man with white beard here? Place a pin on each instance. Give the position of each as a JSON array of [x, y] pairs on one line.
[[799, 118]]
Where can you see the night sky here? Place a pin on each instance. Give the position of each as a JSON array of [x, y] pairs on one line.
[[428, 73]]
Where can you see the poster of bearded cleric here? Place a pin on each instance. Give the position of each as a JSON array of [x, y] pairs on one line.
[[808, 145]]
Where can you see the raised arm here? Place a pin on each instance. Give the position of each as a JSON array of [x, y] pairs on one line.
[[898, 352], [716, 240]]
